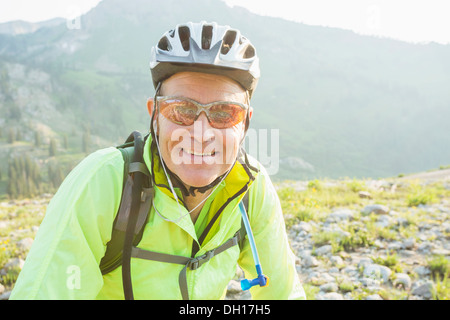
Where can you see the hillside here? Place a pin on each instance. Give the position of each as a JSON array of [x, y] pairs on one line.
[[345, 105], [23, 27]]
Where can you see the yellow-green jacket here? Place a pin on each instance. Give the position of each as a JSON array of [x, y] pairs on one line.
[[63, 262]]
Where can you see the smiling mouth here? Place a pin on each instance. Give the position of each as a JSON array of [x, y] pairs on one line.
[[199, 154]]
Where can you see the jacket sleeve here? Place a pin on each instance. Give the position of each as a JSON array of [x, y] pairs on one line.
[[63, 262], [276, 257]]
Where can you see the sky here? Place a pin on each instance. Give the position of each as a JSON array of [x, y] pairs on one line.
[[415, 21]]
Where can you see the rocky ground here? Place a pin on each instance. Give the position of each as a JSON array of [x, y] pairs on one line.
[[408, 248], [379, 244]]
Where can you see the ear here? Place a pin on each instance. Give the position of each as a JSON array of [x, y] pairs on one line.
[[150, 105], [250, 113]]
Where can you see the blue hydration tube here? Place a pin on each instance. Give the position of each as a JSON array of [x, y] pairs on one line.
[[261, 280]]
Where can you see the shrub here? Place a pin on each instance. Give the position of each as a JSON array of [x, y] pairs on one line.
[[358, 237], [420, 196], [315, 184], [355, 185], [439, 266]]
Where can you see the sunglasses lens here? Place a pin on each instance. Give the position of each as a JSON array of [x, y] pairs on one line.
[[179, 111], [226, 115]]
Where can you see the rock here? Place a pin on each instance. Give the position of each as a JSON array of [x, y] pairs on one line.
[[409, 243], [425, 247], [234, 287], [402, 221], [407, 253], [305, 226], [12, 264], [379, 244], [342, 214], [446, 227], [370, 282], [239, 273], [364, 195], [326, 278], [350, 271], [323, 250], [5, 295], [310, 261], [402, 281], [363, 262], [4, 224], [374, 297], [25, 244], [332, 296], [313, 276], [424, 290], [336, 260], [440, 252], [395, 246], [333, 270], [383, 221], [329, 287], [375, 208], [348, 296], [304, 253], [422, 271], [376, 271]]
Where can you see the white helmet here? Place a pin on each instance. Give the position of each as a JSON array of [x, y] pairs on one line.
[[207, 48]]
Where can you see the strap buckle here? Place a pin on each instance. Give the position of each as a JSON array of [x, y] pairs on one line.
[[197, 262]]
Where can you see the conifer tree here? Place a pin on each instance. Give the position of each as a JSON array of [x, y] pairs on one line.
[[11, 135], [37, 139], [52, 148], [86, 141], [24, 179], [66, 144]]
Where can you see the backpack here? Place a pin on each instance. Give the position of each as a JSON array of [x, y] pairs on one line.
[[131, 218]]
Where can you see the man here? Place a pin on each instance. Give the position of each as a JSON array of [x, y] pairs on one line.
[[204, 75]]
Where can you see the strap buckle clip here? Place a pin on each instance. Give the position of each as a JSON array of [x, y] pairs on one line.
[[197, 262]]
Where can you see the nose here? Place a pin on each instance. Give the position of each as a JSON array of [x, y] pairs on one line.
[[202, 130]]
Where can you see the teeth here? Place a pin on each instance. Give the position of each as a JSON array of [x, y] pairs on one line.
[[200, 154]]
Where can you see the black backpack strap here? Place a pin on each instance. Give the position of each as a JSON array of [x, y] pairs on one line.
[[113, 255], [136, 196]]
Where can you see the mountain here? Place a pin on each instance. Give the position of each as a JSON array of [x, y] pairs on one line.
[[343, 104], [22, 27]]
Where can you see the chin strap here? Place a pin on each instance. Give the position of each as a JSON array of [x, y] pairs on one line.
[[191, 190]]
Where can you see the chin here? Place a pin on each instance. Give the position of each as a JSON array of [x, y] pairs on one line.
[[196, 178]]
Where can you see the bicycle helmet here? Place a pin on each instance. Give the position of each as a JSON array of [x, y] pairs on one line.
[[207, 48]]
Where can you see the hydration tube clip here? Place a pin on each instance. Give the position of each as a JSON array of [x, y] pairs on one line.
[[261, 280]]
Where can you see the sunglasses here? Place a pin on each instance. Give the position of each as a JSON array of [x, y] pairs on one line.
[[185, 111]]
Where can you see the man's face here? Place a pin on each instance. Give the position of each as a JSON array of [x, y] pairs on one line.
[[199, 153]]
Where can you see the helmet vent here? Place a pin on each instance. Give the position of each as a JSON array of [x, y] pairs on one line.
[[164, 44], [228, 41], [184, 33], [207, 37], [249, 52]]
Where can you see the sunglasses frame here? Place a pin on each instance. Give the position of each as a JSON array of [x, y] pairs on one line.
[[200, 107]]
